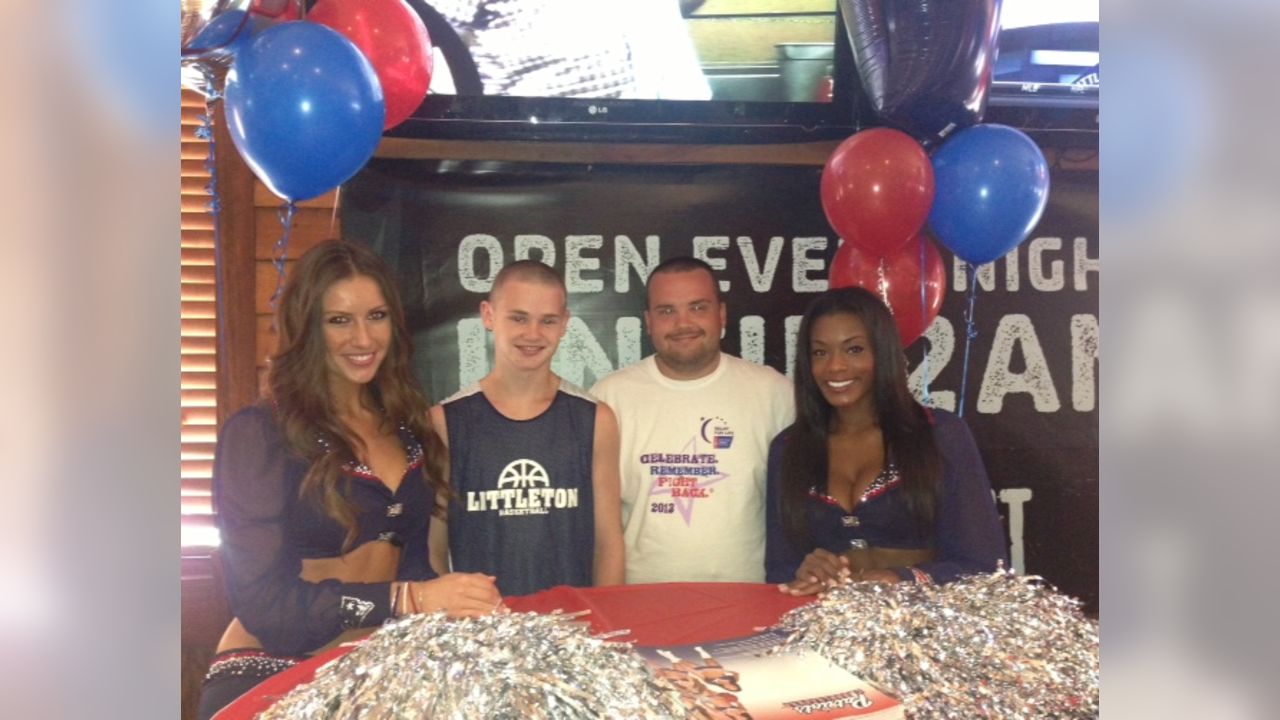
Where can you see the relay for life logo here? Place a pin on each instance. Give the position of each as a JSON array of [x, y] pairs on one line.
[[716, 431]]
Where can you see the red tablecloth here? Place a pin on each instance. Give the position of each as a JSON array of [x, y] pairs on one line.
[[661, 614]]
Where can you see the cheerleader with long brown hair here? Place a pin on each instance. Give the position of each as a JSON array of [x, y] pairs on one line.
[[325, 490]]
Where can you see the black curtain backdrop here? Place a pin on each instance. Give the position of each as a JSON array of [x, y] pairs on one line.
[[448, 227]]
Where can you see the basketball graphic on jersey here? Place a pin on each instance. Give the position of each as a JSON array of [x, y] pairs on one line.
[[524, 488], [523, 474]]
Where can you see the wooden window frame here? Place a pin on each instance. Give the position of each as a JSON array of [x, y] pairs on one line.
[[212, 392]]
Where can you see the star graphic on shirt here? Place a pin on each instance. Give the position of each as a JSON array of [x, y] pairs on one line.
[[684, 505]]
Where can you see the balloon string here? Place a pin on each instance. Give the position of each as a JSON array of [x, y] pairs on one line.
[[207, 87], [969, 333], [883, 283], [205, 132], [281, 250], [924, 322], [333, 217]]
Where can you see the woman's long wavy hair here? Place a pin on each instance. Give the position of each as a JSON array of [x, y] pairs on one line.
[[904, 424], [298, 380]]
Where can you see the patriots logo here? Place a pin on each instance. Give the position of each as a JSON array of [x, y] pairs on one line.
[[354, 611]]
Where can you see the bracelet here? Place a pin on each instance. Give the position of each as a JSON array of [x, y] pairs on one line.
[[404, 601], [921, 577], [398, 592]]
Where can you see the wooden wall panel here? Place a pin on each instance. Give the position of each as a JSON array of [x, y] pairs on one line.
[[236, 383], [204, 618], [315, 220]]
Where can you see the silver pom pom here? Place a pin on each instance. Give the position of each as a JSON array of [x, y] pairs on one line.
[[518, 665], [998, 646]]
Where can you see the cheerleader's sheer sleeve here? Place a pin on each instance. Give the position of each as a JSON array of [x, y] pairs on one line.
[[969, 538], [254, 486]]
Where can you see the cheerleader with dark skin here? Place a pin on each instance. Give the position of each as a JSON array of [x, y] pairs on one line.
[[868, 484], [325, 491]]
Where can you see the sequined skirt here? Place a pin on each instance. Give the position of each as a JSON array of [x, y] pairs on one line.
[[234, 672]]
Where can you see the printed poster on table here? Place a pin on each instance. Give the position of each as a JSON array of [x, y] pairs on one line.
[[739, 679]]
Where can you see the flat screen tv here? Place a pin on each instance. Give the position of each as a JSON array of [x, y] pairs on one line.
[[1046, 74], [704, 71]]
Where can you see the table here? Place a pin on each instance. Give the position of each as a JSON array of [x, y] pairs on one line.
[[657, 614]]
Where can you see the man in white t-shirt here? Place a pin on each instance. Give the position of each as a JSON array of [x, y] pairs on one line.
[[695, 425]]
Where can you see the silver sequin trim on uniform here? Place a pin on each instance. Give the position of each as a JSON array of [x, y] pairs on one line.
[[413, 452], [413, 448], [881, 482], [248, 665], [886, 479]]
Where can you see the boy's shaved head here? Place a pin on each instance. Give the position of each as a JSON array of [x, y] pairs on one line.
[[530, 271]]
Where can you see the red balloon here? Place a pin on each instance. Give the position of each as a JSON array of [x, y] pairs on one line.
[[877, 188], [895, 278], [394, 39]]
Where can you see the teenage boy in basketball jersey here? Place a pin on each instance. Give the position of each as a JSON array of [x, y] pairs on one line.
[[533, 459]]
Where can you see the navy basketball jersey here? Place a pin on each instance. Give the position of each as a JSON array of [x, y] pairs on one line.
[[523, 503]]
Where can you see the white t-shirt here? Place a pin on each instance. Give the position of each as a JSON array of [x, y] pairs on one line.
[[693, 468]]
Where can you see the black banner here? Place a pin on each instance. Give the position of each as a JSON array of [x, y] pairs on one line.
[[1031, 398]]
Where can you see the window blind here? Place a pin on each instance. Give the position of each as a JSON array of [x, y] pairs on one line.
[[199, 393]]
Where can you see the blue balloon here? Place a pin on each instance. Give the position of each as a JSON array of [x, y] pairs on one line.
[[209, 55], [991, 184], [304, 108], [226, 33]]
